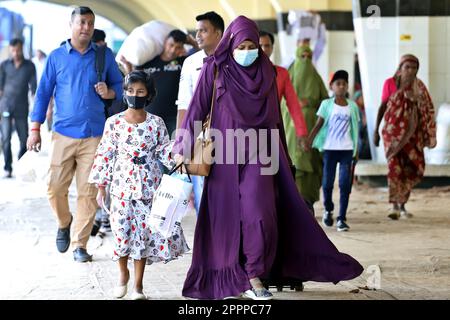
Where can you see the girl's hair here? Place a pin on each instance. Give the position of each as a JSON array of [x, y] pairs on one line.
[[143, 77]]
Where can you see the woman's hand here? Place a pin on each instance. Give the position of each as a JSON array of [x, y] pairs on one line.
[[302, 144], [376, 138], [433, 142]]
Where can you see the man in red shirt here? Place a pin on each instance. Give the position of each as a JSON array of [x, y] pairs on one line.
[[285, 89]]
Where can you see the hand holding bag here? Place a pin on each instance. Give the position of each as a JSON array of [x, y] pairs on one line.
[[31, 168], [201, 161], [170, 204]]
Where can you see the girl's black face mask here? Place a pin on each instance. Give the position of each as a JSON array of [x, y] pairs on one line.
[[135, 102]]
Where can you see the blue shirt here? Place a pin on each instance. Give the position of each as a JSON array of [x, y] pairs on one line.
[[71, 77]]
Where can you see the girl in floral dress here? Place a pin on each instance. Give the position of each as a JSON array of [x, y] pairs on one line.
[[127, 157]]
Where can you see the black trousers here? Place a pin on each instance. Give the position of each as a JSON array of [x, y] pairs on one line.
[[8, 124]]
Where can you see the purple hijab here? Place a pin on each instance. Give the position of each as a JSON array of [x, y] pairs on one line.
[[250, 86]]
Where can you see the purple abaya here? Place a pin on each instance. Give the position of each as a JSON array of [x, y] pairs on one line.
[[250, 222]]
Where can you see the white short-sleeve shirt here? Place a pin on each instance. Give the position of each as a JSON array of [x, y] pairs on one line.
[[338, 136], [190, 72]]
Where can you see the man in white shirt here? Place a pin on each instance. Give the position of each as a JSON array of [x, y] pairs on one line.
[[39, 61], [210, 27]]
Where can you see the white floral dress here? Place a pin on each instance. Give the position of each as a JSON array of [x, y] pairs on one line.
[[127, 160]]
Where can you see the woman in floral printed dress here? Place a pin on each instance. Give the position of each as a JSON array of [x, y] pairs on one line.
[[127, 157], [409, 126]]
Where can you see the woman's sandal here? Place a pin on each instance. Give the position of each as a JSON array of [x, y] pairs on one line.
[[394, 214], [405, 214], [258, 294]]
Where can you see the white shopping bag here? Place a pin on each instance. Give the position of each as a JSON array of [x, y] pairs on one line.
[[105, 207], [170, 204], [29, 168]]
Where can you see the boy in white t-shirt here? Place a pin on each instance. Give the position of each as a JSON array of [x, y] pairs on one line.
[[336, 135]]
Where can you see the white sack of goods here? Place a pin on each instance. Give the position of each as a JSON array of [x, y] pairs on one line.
[[145, 42]]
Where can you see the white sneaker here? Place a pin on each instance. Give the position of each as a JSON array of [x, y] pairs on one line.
[[342, 226]]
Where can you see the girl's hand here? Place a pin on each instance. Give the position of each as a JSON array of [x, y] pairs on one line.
[[101, 195], [178, 158]]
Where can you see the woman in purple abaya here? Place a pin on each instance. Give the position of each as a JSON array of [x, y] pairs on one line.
[[250, 225]]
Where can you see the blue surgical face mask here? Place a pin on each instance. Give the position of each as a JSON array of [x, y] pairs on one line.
[[245, 57]]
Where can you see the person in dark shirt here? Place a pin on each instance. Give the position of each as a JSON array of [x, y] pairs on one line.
[[99, 37], [166, 70], [17, 78]]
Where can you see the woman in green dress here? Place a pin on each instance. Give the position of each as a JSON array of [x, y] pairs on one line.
[[310, 91]]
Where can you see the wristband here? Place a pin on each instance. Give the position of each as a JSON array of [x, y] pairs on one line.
[[35, 129]]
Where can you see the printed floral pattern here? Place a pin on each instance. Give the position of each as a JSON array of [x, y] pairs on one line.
[[409, 127], [127, 159], [133, 237], [122, 143]]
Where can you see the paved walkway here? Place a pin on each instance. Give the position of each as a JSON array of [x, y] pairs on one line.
[[35, 270], [412, 255]]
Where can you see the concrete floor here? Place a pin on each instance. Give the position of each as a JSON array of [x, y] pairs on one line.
[[412, 255]]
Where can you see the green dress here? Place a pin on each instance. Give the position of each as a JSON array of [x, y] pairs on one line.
[[309, 85]]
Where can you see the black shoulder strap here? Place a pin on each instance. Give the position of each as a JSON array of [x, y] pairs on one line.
[[100, 61], [99, 67]]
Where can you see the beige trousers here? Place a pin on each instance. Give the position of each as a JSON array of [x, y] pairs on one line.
[[71, 157]]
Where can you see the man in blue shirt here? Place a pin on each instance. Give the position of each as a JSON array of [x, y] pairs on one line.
[[78, 121]]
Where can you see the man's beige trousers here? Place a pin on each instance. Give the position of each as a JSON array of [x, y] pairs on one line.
[[71, 157]]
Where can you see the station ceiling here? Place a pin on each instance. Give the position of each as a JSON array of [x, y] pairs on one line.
[[128, 14]]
